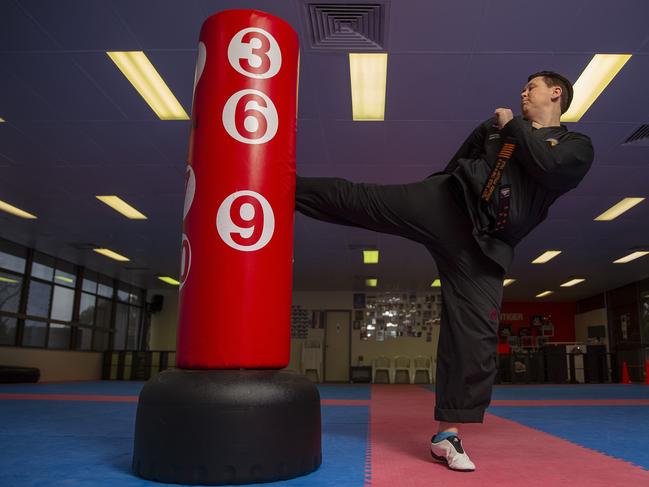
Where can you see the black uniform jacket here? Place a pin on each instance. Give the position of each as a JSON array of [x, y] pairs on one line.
[[546, 163]]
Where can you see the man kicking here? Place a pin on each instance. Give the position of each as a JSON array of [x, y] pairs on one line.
[[493, 192]]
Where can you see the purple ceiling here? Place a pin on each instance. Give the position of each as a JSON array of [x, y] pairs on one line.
[[75, 128]]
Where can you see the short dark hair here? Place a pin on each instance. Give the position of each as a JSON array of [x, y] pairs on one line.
[[555, 79]]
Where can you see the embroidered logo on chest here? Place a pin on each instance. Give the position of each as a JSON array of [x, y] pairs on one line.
[[552, 142]]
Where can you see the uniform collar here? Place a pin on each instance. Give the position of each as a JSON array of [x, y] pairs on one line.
[[561, 127]]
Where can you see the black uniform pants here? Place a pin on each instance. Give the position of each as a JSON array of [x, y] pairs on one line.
[[433, 213]]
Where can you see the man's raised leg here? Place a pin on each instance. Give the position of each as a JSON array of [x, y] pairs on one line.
[[418, 211]]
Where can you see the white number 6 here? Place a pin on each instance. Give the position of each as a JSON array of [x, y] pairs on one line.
[[249, 116]]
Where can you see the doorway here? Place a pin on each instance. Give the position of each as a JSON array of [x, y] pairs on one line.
[[337, 346]]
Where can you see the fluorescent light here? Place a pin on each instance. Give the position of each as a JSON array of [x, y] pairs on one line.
[[572, 282], [2, 119], [6, 279], [370, 256], [143, 76], [368, 73], [371, 282], [112, 255], [548, 255], [64, 279], [613, 212], [15, 211], [507, 282], [122, 207], [436, 283], [169, 280], [593, 80], [544, 293], [632, 256]]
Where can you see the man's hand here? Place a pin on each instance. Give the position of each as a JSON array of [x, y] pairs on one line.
[[503, 115]]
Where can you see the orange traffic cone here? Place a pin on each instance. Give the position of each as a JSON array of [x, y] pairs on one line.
[[646, 372], [625, 374]]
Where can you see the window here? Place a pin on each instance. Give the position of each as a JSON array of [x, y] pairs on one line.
[[95, 311], [12, 257], [105, 287], [89, 282], [35, 333], [100, 342], [131, 301], [83, 339], [121, 325], [43, 267], [133, 328], [38, 299], [62, 302], [10, 288], [59, 336], [102, 318], [65, 274], [123, 292], [8, 330], [87, 309], [49, 294]]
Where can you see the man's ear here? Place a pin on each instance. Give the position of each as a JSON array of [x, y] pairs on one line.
[[556, 92]]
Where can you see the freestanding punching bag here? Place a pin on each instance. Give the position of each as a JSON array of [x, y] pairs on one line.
[[226, 415]]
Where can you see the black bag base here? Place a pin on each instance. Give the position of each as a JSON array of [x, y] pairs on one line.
[[217, 427]]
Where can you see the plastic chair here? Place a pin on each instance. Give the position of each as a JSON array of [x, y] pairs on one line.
[[402, 363], [381, 363], [423, 363], [312, 358]]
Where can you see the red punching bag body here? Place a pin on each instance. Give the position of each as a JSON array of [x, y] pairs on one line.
[[237, 243]]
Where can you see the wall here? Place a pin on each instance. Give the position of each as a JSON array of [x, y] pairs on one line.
[[590, 318], [163, 326], [563, 317], [408, 346], [55, 365], [164, 323], [369, 349]]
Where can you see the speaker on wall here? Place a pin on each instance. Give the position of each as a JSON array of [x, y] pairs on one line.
[[156, 303]]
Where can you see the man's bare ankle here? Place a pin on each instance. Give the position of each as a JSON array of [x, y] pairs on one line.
[[448, 427]]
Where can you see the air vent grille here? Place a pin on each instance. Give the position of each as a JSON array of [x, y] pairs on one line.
[[639, 138], [338, 26]]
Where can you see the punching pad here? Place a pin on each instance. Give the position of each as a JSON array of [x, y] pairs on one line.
[[226, 415]]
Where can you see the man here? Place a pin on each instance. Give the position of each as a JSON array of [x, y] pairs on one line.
[[470, 217]]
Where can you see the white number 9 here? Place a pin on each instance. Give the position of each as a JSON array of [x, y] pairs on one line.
[[245, 221]]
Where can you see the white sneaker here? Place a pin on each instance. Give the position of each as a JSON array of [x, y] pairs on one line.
[[450, 451]]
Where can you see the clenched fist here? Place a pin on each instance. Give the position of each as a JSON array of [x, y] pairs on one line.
[[503, 115]]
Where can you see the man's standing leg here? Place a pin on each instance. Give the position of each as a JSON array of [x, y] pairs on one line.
[[472, 287]]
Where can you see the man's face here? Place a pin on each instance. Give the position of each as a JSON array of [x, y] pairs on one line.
[[536, 97]]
